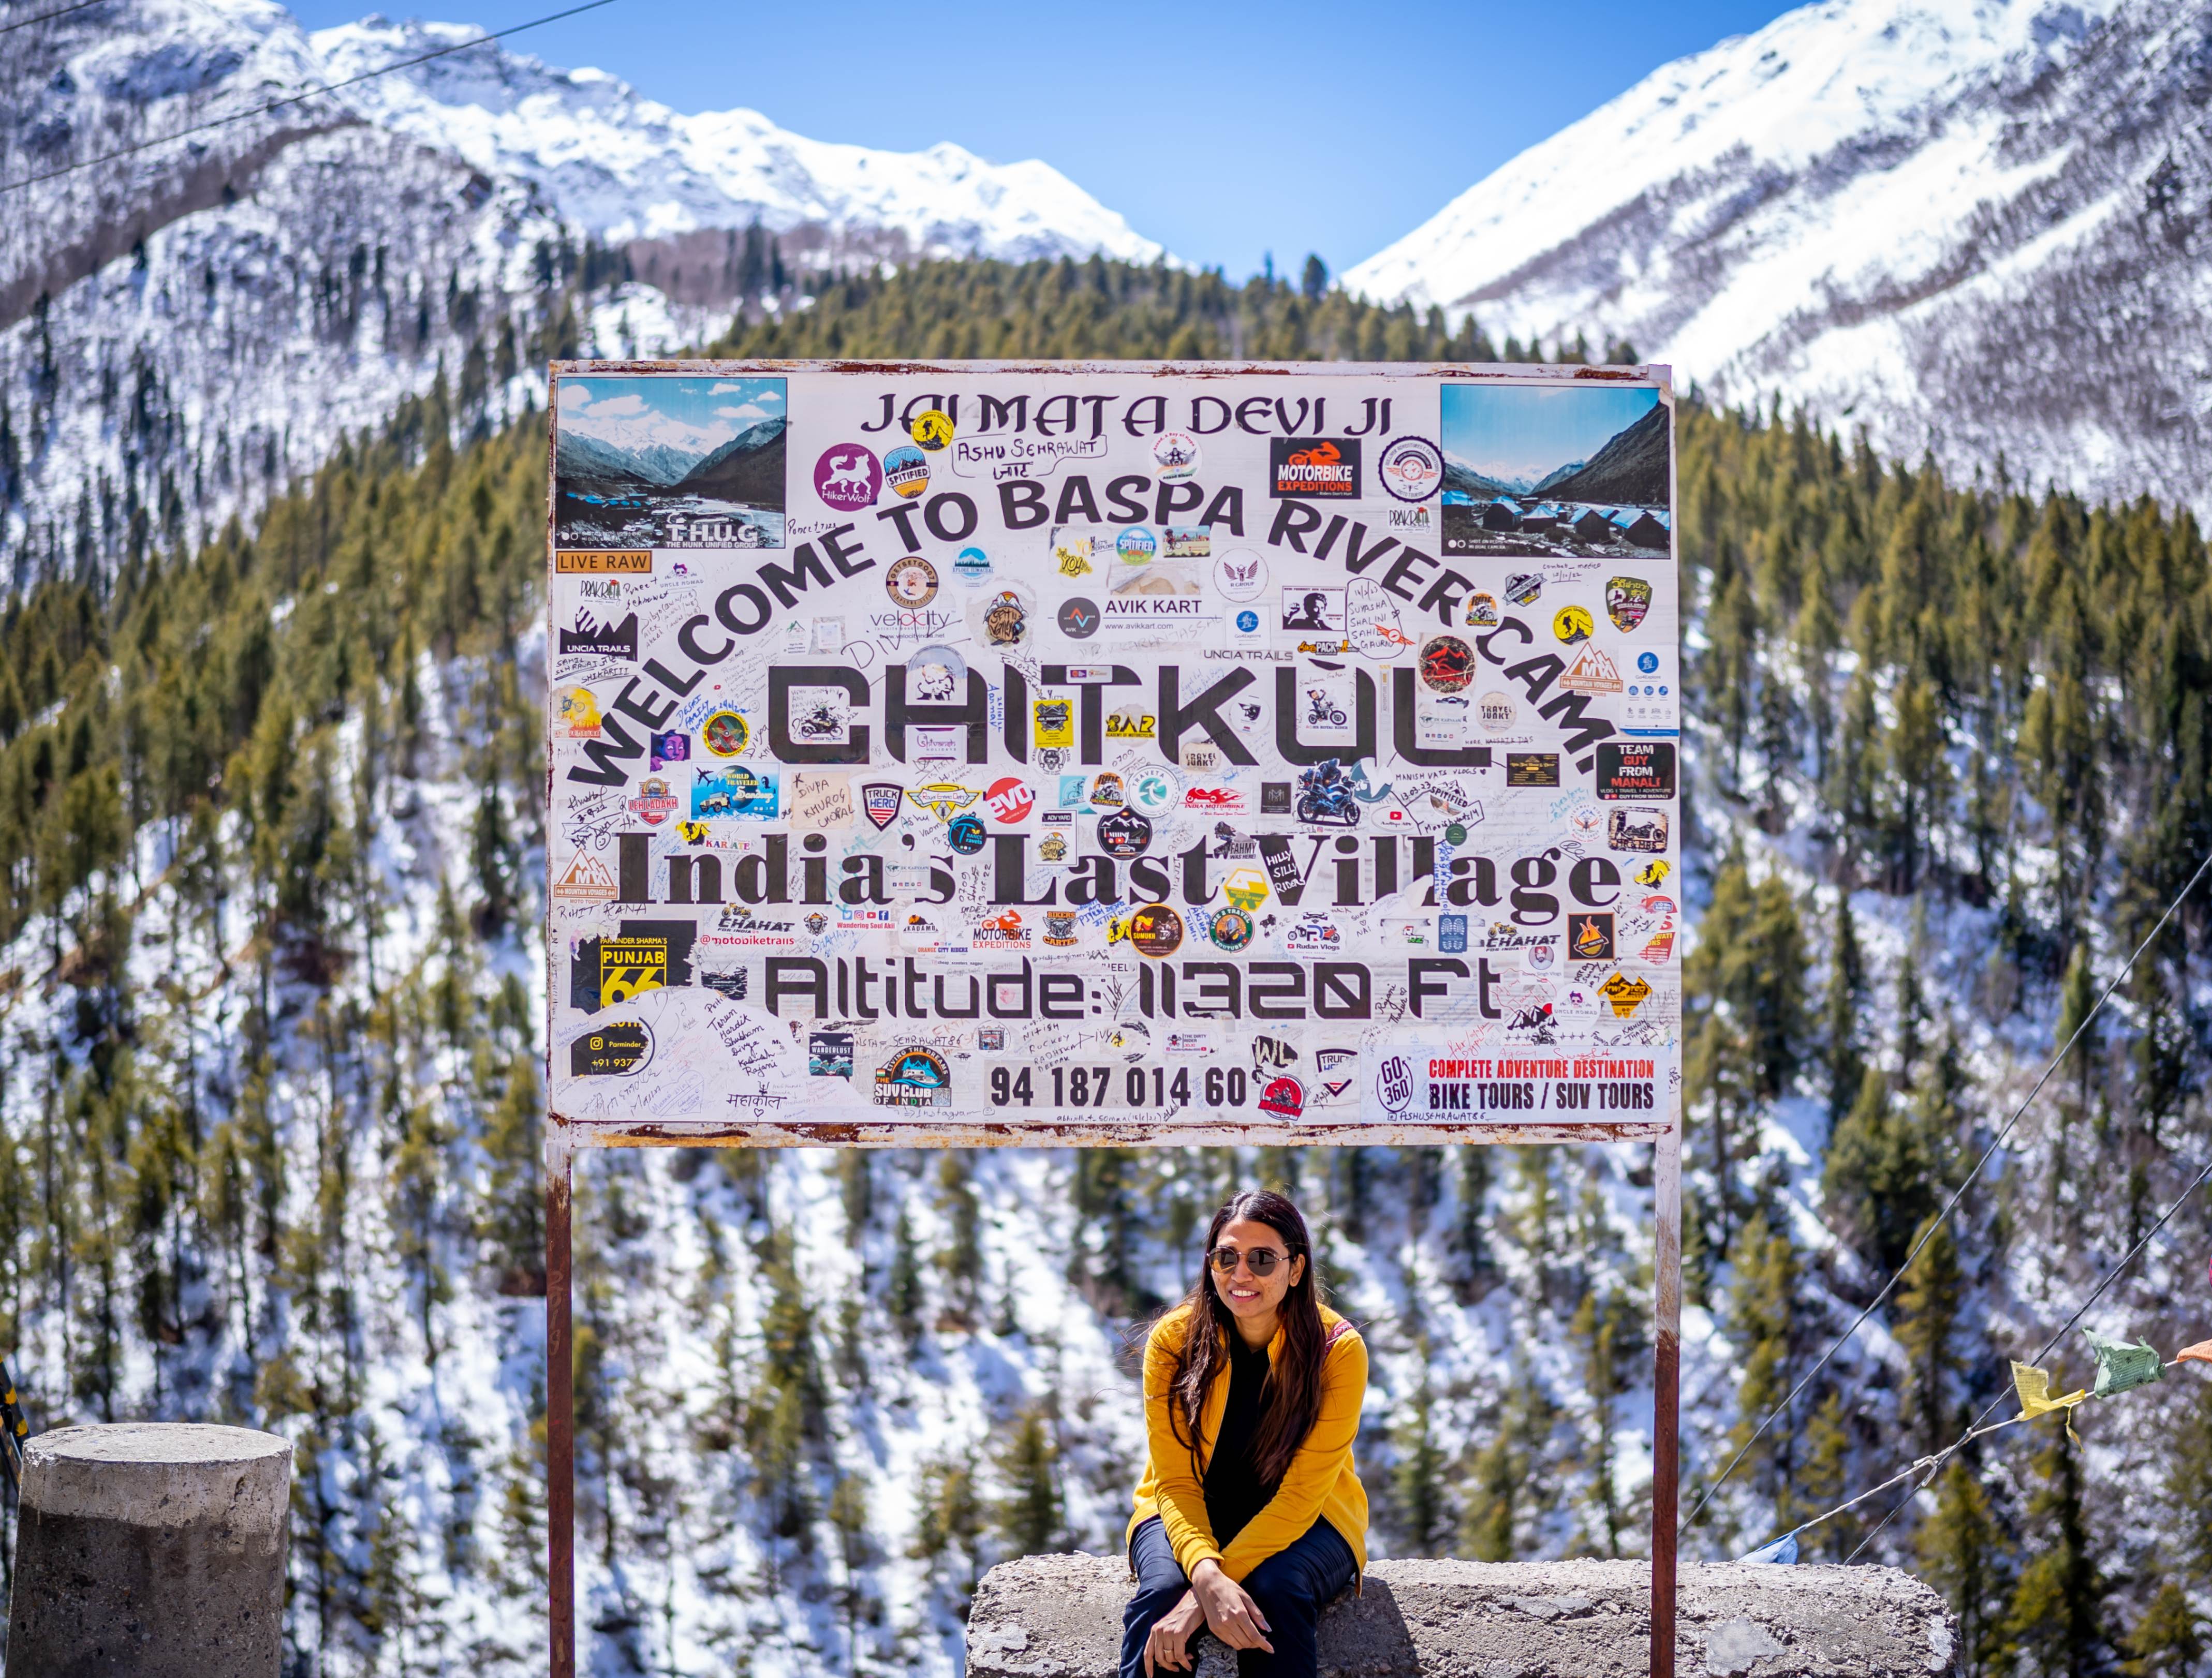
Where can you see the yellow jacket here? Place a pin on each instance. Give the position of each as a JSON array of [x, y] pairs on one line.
[[1320, 1479]]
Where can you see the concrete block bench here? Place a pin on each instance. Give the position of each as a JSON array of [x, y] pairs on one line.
[[1060, 1616]]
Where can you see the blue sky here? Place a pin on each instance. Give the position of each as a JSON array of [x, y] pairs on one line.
[[1227, 132], [1510, 431]]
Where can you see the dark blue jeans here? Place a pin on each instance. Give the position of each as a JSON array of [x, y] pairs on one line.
[[1289, 1588]]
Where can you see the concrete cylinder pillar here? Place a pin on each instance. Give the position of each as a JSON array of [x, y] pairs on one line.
[[151, 1550]]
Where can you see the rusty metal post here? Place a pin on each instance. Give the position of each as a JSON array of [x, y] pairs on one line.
[[560, 1410], [1666, 1399]]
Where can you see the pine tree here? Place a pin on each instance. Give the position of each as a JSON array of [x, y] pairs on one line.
[[2166, 1638], [848, 1516], [1761, 1317], [961, 1260], [2055, 1617], [1417, 1480], [1962, 1553], [1822, 1477], [2187, 1490], [1875, 1182], [1496, 1479], [1029, 1515], [903, 1296], [1840, 1015], [1927, 1308]]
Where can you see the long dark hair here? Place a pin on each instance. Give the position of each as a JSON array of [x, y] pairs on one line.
[[1290, 1402]]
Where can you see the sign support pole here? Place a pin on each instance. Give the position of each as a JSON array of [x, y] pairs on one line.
[[560, 1408], [1666, 1377]]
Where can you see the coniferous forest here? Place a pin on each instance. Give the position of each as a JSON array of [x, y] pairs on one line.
[[273, 845]]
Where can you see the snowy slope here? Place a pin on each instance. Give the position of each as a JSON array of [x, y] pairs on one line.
[[1973, 225], [186, 325], [624, 166]]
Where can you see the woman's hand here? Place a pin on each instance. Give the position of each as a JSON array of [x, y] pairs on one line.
[[1169, 1645], [1230, 1615]]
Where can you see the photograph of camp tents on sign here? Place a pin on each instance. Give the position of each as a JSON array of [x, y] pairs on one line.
[[1574, 471], [643, 462]]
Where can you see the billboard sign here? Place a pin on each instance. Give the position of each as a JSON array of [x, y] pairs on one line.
[[1175, 743]]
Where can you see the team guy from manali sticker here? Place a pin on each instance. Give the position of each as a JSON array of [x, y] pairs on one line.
[[1299, 749]]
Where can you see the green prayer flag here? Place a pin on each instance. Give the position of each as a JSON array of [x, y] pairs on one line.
[[2121, 1366]]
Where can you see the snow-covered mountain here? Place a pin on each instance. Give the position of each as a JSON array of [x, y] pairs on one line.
[[624, 166], [1977, 227], [187, 324]]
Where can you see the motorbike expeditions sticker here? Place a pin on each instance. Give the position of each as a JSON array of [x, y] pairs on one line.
[[1314, 467], [923, 736]]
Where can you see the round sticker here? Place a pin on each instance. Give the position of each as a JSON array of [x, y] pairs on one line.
[[1156, 789], [974, 565], [1394, 1084], [1106, 791], [1156, 931], [1078, 618], [965, 834], [932, 429], [848, 478], [725, 734], [1284, 1098], [1230, 929], [906, 469], [1003, 620], [1412, 468], [1572, 624], [1124, 834], [1175, 457], [1009, 800], [936, 676], [1240, 574], [1481, 610], [1136, 545], [1495, 711], [1447, 664], [911, 582], [1456, 833]]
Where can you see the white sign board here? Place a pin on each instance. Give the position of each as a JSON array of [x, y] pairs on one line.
[[1273, 746]]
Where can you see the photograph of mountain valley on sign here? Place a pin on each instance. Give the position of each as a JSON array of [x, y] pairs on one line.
[[808, 870], [1577, 472], [679, 463]]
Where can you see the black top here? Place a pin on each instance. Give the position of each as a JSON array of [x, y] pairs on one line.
[[1234, 1493]]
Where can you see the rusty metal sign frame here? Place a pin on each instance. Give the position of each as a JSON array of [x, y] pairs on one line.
[[565, 1138]]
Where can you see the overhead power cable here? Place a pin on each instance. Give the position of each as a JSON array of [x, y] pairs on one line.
[[1950, 1205], [1949, 1451], [295, 98], [59, 11]]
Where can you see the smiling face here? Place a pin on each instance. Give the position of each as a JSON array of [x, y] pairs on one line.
[[1255, 1299]]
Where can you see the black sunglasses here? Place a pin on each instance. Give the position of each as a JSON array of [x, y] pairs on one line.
[[1260, 1262]]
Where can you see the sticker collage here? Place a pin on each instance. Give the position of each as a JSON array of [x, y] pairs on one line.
[[1282, 744]]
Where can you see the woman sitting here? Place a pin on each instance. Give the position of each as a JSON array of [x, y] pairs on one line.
[[1250, 1515]]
